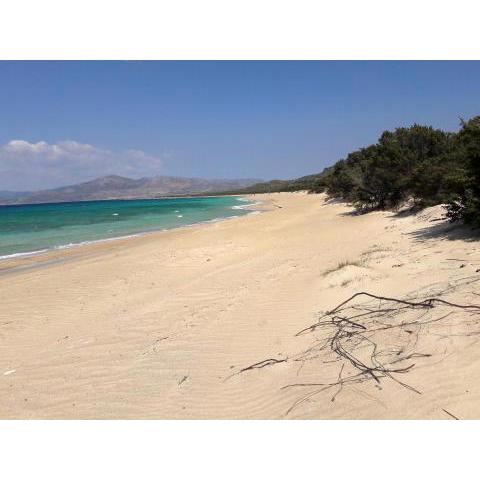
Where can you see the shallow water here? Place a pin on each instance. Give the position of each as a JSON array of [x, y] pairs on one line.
[[26, 229]]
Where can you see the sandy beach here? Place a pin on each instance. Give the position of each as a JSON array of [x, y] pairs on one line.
[[165, 326]]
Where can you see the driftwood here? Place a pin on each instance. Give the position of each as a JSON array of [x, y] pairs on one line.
[[262, 364], [450, 414], [428, 303], [377, 339]]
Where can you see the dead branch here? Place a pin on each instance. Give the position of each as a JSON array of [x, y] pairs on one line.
[[262, 364], [379, 339], [450, 414]]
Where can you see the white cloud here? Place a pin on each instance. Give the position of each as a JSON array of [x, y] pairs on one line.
[[33, 166]]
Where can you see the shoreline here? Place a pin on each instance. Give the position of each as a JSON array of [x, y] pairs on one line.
[[21, 260], [167, 197], [202, 322]]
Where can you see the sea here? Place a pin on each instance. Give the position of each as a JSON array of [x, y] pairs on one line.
[[33, 229]]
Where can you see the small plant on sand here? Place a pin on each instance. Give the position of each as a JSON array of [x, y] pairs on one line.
[[367, 255], [343, 264]]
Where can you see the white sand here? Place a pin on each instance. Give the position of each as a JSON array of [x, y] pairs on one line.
[[159, 326]]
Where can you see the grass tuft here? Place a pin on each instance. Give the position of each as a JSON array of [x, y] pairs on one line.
[[343, 264]]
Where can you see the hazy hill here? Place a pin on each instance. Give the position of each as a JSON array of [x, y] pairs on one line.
[[116, 187], [7, 195]]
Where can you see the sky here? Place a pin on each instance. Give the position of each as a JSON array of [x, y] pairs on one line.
[[67, 122]]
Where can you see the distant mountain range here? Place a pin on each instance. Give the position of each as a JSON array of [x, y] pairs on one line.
[[116, 187], [8, 195]]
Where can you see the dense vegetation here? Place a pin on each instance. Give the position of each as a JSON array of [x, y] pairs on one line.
[[425, 165]]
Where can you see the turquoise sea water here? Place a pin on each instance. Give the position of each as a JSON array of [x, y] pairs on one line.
[[33, 228]]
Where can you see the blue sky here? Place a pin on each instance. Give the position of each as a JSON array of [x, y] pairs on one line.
[[63, 122]]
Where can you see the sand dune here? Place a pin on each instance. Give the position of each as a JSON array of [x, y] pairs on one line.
[[162, 326]]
